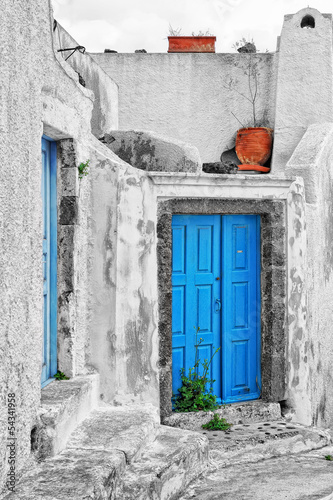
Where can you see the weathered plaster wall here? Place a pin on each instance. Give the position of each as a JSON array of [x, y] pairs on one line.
[[187, 96], [304, 81], [34, 85], [136, 340], [313, 288], [105, 111], [115, 294]]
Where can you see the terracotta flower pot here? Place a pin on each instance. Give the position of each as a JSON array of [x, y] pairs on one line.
[[191, 43], [253, 148]]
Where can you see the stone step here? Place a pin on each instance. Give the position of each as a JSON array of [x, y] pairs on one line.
[[166, 466], [125, 429], [118, 453], [64, 405], [237, 413], [257, 441], [72, 475]]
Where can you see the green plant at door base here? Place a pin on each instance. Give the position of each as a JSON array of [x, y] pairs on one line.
[[83, 169], [217, 423], [60, 376], [193, 394], [329, 457]]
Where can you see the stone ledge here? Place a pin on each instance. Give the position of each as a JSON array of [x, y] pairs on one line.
[[152, 152], [64, 405]]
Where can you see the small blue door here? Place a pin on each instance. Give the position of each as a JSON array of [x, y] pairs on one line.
[[49, 201], [216, 287]]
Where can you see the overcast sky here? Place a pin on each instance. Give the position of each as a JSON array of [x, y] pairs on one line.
[[127, 25]]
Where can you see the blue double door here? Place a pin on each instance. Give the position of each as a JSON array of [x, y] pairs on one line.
[[216, 288]]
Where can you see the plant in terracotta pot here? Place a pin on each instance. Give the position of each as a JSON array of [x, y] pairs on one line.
[[197, 42], [254, 139]]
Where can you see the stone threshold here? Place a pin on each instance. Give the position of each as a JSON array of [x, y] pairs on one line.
[[236, 413], [244, 443]]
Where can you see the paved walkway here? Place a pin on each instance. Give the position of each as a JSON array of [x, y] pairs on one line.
[[302, 476]]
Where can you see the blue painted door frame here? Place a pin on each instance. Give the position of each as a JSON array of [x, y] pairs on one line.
[[49, 200], [216, 286]]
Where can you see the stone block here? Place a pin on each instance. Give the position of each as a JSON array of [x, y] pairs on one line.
[[219, 168], [69, 182], [68, 210], [66, 258], [67, 153]]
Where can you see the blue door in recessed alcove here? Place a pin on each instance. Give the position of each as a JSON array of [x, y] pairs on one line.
[[216, 287], [49, 204]]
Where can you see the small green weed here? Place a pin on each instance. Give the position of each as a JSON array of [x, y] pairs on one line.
[[60, 376], [329, 457], [83, 169], [193, 394], [217, 424]]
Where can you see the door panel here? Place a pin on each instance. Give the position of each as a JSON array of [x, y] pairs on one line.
[[241, 307], [49, 358], [196, 260], [216, 286]]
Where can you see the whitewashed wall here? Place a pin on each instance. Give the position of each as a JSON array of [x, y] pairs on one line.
[[187, 96]]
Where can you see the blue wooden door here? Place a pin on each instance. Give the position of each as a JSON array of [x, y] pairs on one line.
[[241, 308], [49, 201], [196, 293], [216, 287]]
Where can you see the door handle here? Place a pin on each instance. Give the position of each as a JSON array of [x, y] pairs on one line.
[[218, 305]]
